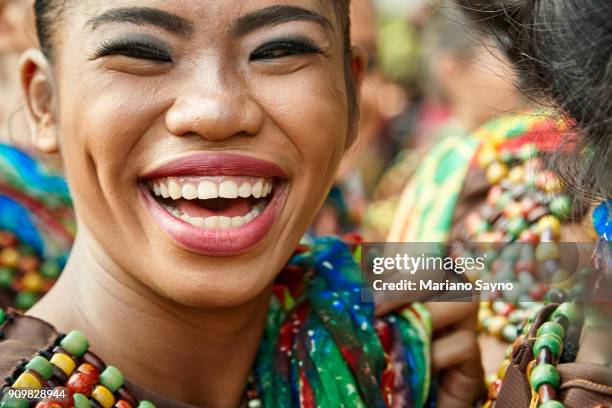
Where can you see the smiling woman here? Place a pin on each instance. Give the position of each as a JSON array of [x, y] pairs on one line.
[[199, 141]]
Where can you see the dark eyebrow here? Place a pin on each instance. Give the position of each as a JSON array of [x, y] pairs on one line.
[[273, 15], [144, 16]]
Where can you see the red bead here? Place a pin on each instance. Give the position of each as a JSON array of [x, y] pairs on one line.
[[507, 309], [28, 263], [89, 370], [123, 404], [493, 196], [494, 389], [45, 404], [546, 392], [528, 265], [527, 205], [81, 383], [538, 291], [7, 239]]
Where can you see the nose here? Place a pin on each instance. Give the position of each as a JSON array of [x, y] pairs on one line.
[[215, 109]]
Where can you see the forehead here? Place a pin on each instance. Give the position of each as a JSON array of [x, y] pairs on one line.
[[204, 14]]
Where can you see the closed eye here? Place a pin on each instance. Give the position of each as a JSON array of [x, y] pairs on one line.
[[133, 48], [282, 48]]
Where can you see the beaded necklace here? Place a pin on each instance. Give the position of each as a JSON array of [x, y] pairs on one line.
[[321, 347], [556, 339], [517, 231]]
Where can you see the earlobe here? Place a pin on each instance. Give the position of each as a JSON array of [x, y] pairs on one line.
[[359, 63], [37, 86]]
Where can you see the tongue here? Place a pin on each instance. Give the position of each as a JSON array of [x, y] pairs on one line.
[[237, 207]]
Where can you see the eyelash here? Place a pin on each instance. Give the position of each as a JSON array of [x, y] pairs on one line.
[[142, 50], [133, 49], [285, 48]]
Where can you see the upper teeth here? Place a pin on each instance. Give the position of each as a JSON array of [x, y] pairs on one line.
[[205, 188]]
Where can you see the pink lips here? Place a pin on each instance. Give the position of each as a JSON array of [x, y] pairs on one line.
[[217, 164], [217, 242]]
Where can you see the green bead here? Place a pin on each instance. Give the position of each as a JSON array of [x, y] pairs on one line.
[[561, 206], [510, 332], [2, 316], [571, 311], [75, 343], [6, 277], [50, 269], [503, 200], [8, 402], [550, 341], [528, 151], [551, 404], [552, 327], [111, 378], [25, 249], [42, 366], [517, 225], [81, 401], [534, 312], [145, 404], [25, 300], [544, 374]]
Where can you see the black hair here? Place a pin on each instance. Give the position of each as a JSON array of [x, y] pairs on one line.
[[49, 12], [563, 50]]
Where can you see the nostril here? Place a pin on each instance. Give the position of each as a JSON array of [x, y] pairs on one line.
[[214, 119]]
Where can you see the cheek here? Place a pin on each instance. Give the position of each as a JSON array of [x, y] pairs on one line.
[[102, 122], [311, 110]]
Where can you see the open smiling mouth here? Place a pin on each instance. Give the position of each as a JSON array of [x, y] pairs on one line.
[[216, 204], [213, 203]]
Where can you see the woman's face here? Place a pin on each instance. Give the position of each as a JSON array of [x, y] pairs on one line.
[[199, 137]]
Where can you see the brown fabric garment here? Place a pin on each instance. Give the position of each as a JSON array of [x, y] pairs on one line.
[[585, 385], [24, 336]]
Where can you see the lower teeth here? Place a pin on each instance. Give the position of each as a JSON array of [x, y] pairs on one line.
[[217, 222]]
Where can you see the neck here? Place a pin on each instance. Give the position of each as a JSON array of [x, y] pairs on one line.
[[200, 357]]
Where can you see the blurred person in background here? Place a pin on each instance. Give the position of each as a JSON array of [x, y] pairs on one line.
[[36, 219], [463, 75], [381, 100], [493, 186]]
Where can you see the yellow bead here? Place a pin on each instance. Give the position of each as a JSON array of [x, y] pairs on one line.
[[562, 279], [553, 185], [487, 156], [103, 396], [549, 222], [33, 282], [501, 373], [517, 175], [9, 257], [496, 172], [64, 362], [496, 325], [27, 380]]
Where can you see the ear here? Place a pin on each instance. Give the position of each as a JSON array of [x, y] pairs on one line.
[[359, 63], [38, 89], [446, 69]]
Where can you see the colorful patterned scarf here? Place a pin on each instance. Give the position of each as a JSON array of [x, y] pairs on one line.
[[323, 347]]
